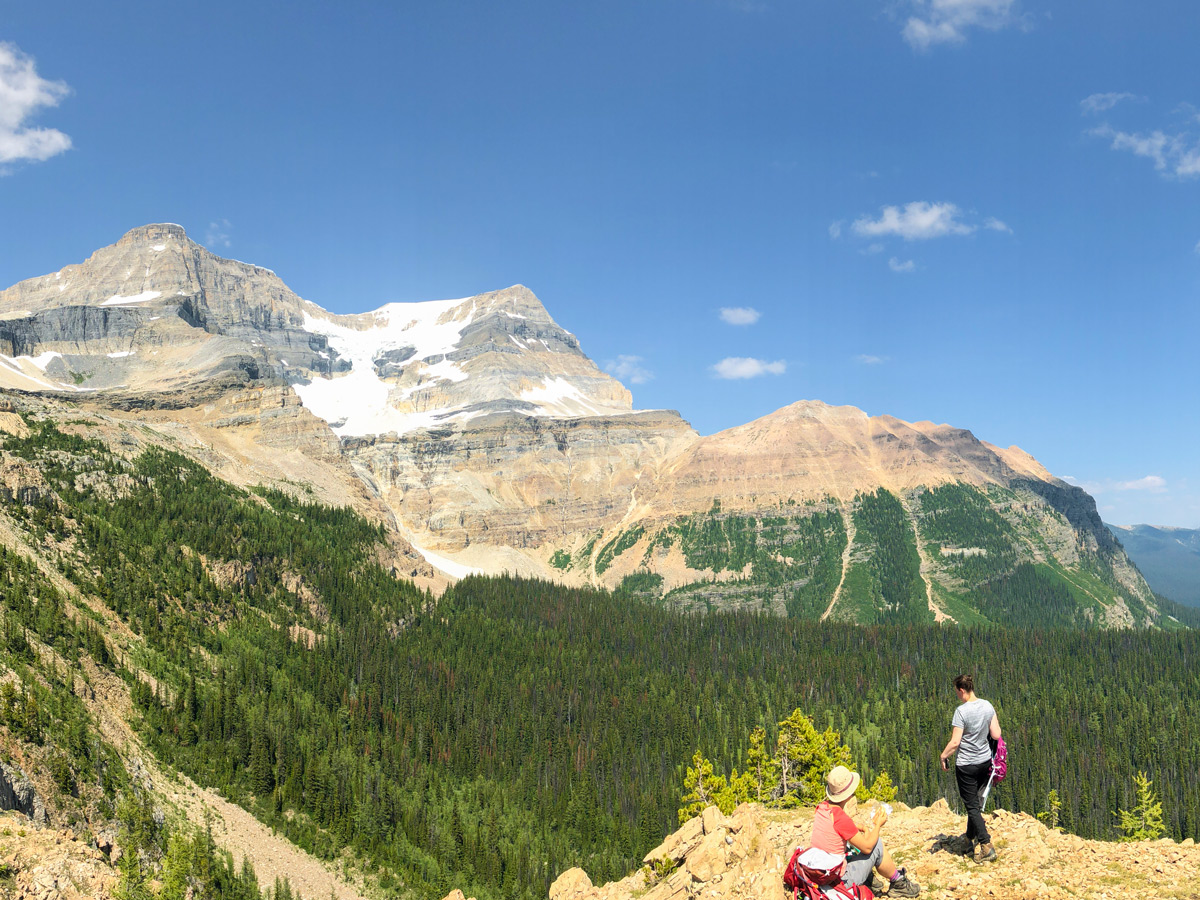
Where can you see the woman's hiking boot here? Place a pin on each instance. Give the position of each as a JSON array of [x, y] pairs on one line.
[[902, 885], [986, 852]]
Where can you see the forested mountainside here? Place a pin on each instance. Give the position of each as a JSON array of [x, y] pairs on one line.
[[479, 434], [1168, 557], [493, 736]]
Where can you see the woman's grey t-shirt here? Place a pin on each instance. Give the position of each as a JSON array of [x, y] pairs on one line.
[[974, 717]]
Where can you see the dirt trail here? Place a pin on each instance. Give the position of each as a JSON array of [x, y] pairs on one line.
[[233, 828]]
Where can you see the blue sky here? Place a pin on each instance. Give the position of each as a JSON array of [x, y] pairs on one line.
[[979, 212]]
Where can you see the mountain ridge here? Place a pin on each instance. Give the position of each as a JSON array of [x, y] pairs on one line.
[[485, 438]]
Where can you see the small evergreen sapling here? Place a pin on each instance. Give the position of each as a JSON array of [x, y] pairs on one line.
[[1145, 821]]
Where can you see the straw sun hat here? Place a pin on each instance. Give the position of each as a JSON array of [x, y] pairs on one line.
[[840, 784]]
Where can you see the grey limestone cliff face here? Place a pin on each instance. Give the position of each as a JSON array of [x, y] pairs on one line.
[[17, 792], [157, 309]]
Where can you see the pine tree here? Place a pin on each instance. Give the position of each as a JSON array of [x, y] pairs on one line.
[[1145, 821], [806, 756], [1051, 813], [702, 788], [761, 768]]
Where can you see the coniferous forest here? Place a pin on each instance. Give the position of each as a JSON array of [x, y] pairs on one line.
[[495, 736]]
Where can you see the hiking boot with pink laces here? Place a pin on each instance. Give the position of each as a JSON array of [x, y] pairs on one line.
[[902, 885]]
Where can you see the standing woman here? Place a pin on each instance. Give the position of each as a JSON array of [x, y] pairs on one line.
[[973, 724]]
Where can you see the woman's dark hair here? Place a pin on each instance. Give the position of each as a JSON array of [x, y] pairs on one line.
[[965, 683]]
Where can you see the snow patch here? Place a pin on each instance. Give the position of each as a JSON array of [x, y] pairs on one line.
[[356, 402], [120, 354], [42, 359], [143, 297], [27, 366], [449, 566], [159, 248], [558, 397]]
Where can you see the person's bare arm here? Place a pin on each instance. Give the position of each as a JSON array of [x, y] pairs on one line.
[[866, 839], [952, 745], [994, 728]]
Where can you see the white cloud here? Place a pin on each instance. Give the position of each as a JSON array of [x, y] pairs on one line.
[[917, 221], [1197, 248], [1172, 154], [867, 359], [907, 266], [628, 368], [995, 224], [871, 249], [22, 92], [217, 234], [736, 367], [835, 230], [739, 315], [1153, 484], [1098, 103], [947, 21]]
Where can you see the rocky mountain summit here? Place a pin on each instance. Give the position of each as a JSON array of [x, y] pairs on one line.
[[480, 434], [743, 855]]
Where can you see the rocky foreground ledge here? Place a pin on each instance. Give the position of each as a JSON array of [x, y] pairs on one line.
[[743, 855]]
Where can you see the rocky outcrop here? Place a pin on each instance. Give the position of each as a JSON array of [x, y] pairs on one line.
[[743, 856], [49, 864], [18, 793]]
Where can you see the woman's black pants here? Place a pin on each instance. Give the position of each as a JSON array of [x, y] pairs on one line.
[[971, 782]]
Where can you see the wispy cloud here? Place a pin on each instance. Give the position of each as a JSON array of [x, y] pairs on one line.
[[628, 368], [1196, 250], [1098, 103], [867, 359], [948, 21], [1175, 155], [22, 93], [738, 367], [917, 221], [739, 315], [995, 224], [217, 234], [835, 230], [897, 266], [1152, 484]]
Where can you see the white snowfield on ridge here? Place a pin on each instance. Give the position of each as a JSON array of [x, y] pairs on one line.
[[359, 402]]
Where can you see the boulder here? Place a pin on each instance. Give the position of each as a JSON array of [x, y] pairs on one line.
[[570, 884], [709, 858], [678, 845], [711, 819]]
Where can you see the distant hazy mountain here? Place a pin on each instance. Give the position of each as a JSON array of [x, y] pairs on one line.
[[1168, 557]]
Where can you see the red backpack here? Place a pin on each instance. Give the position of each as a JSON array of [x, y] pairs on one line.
[[817, 875]]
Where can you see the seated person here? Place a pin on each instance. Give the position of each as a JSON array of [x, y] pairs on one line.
[[834, 831]]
